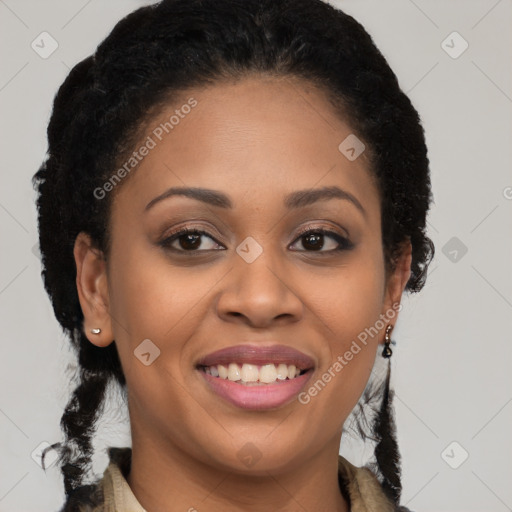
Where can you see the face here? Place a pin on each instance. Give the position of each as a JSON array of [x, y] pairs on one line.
[[274, 270]]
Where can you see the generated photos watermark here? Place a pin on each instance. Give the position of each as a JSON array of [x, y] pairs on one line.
[[150, 143], [342, 360]]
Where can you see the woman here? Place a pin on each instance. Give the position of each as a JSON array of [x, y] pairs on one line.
[[233, 203]]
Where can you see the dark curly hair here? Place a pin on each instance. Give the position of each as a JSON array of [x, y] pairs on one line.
[[150, 57]]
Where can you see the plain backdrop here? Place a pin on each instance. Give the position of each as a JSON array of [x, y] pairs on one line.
[[451, 365]]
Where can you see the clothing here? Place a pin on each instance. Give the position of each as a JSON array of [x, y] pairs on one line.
[[111, 493]]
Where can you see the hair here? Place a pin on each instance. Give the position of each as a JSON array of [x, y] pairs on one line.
[[161, 50]]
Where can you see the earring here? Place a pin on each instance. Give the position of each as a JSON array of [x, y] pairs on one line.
[[386, 351], [96, 330]]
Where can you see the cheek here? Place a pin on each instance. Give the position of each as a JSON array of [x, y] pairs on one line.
[[152, 299], [354, 297], [156, 301], [148, 295], [351, 308]]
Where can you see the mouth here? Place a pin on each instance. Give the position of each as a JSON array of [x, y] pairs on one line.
[[256, 377]]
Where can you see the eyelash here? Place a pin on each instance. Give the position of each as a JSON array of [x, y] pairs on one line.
[[344, 243]]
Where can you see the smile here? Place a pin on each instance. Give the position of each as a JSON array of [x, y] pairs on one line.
[[256, 377]]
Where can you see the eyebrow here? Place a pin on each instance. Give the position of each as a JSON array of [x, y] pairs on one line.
[[297, 199]]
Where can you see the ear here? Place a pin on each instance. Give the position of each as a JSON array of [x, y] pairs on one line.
[[397, 280], [92, 287]]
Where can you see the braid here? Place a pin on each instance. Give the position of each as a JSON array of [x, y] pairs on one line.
[[373, 419], [97, 368], [78, 424], [387, 453]]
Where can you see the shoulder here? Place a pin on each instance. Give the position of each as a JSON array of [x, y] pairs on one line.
[[363, 490]]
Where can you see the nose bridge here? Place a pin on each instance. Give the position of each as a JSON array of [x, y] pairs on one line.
[[258, 268], [257, 287]]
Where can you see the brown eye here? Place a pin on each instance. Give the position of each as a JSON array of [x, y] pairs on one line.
[[313, 240], [188, 240]]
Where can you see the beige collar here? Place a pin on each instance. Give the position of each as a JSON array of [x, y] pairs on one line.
[[359, 485]]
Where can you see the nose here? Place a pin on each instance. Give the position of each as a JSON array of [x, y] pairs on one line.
[[260, 294]]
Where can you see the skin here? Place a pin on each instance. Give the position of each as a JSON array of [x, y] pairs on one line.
[[256, 140]]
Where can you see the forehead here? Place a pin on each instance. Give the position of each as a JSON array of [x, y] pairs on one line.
[[258, 137]]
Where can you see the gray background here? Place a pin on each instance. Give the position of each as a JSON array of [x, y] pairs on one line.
[[453, 355]]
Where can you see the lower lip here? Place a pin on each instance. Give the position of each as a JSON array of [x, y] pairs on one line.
[[259, 397]]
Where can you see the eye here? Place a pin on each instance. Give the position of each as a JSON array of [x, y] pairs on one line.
[[188, 240], [314, 240]]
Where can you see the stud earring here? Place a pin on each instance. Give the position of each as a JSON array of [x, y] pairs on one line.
[[386, 351], [96, 330]]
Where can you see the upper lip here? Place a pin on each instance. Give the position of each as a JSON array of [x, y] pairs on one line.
[[258, 355]]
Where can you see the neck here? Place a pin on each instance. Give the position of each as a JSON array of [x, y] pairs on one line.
[[163, 476]]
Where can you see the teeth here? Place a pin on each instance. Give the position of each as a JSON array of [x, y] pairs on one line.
[[251, 373], [268, 373], [282, 371], [223, 371], [233, 372]]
